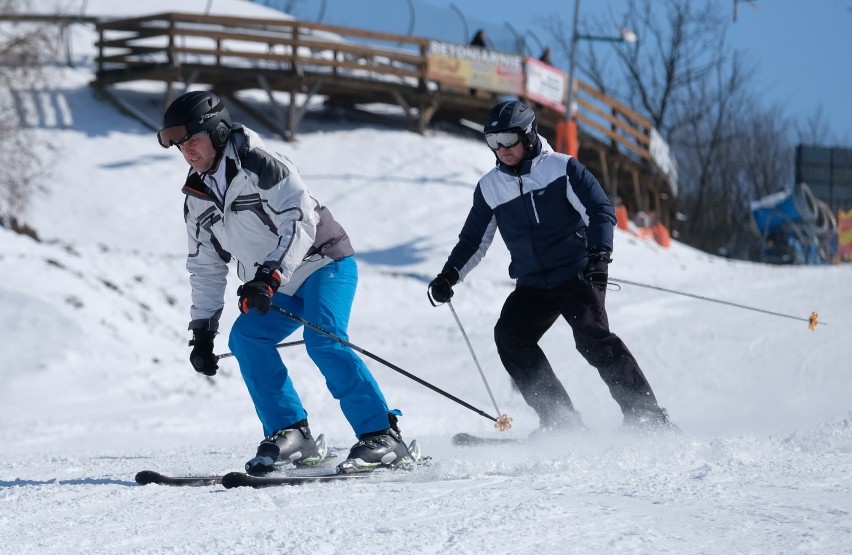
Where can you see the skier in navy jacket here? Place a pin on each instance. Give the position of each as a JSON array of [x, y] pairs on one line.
[[557, 223]]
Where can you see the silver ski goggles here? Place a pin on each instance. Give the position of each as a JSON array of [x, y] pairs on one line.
[[175, 135], [505, 139]]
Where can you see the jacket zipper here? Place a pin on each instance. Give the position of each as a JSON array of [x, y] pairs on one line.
[[537, 221], [532, 199]]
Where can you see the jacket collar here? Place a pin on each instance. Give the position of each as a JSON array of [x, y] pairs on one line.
[[236, 147]]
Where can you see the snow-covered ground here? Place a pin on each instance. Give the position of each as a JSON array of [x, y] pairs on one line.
[[96, 384]]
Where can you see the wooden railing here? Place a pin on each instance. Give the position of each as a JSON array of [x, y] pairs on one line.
[[303, 48], [610, 120], [287, 45]]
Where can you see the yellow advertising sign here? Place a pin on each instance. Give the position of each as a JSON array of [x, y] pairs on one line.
[[844, 234], [471, 67]]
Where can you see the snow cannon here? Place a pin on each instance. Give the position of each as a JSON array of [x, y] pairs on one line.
[[796, 205]]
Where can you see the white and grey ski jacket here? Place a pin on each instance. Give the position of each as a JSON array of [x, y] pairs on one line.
[[267, 218]]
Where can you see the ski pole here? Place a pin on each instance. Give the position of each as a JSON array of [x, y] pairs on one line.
[[280, 345], [505, 421], [812, 320], [390, 365]]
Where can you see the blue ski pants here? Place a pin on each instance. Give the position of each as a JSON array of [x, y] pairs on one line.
[[325, 300]]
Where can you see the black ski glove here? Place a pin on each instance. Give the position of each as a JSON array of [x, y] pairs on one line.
[[257, 293], [596, 271], [441, 288], [202, 357]]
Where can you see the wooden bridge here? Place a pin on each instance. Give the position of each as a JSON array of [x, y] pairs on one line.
[[348, 67]]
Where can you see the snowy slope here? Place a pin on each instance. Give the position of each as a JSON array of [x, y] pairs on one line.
[[96, 383]]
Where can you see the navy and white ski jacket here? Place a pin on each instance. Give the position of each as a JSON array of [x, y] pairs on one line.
[[266, 217], [550, 210]]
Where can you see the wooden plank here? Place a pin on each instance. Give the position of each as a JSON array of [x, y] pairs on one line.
[[643, 139], [132, 23], [122, 42], [352, 32], [615, 137], [48, 18], [129, 57], [269, 24], [352, 65], [623, 108], [281, 40]]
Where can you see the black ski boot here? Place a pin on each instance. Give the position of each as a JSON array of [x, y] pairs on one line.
[[648, 419], [560, 421], [294, 444]]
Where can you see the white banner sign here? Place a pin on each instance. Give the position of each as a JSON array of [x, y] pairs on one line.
[[546, 85], [662, 155]]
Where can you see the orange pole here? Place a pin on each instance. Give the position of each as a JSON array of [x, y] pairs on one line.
[[566, 138], [561, 144], [572, 143]]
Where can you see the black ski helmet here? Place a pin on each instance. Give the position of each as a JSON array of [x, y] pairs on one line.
[[198, 111], [513, 115]]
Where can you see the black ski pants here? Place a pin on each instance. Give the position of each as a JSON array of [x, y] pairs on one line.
[[528, 313]]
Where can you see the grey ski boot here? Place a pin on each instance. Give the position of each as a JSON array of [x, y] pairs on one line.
[[291, 445]]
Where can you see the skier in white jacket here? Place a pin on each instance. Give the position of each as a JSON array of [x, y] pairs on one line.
[[246, 203]]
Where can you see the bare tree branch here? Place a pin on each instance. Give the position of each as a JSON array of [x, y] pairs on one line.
[[24, 49], [697, 92]]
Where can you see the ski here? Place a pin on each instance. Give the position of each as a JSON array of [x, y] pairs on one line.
[[146, 477], [469, 440], [241, 479], [308, 476], [290, 476]]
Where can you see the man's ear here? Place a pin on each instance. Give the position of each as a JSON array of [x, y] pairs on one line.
[[220, 135]]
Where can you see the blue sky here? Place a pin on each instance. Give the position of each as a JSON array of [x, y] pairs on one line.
[[801, 51], [803, 57]]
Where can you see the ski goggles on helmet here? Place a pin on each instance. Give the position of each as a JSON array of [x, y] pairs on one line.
[[505, 139], [176, 135]]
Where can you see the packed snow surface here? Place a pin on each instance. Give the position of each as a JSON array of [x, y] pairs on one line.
[[96, 384]]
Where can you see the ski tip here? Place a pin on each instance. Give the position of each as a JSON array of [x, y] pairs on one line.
[[463, 439], [145, 477], [469, 440], [235, 480]]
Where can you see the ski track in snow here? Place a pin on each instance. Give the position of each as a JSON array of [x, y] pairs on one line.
[[616, 493]]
